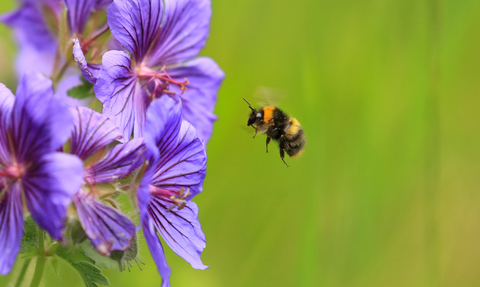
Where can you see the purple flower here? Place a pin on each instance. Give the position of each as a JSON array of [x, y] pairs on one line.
[[34, 125], [89, 71], [36, 40], [107, 228], [36, 24], [175, 174], [78, 12], [163, 40]]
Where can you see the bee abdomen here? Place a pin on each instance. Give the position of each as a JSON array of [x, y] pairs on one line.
[[294, 144]]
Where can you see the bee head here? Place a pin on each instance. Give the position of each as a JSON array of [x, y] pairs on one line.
[[252, 118], [253, 115]]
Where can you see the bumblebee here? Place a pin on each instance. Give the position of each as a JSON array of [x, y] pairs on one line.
[[277, 125]]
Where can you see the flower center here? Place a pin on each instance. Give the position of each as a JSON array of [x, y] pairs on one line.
[[12, 172], [177, 198], [9, 175], [161, 80]]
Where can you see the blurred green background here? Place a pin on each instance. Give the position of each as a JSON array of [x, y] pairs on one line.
[[387, 191]]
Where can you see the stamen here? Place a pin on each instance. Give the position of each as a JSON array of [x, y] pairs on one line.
[[161, 79], [177, 198]]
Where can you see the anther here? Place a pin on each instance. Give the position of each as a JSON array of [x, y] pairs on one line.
[[179, 200]]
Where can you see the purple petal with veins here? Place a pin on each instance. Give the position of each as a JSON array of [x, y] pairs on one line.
[[40, 123], [11, 227], [123, 98], [91, 132], [172, 178], [107, 228], [32, 128], [103, 4], [183, 34], [156, 249], [198, 101], [164, 119], [182, 163], [135, 24], [78, 13], [89, 71], [49, 184], [120, 161], [6, 104], [180, 229]]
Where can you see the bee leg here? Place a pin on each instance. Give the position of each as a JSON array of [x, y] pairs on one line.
[[282, 155], [268, 141], [256, 131]]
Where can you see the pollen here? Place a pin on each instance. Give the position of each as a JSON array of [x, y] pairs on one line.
[[293, 128]]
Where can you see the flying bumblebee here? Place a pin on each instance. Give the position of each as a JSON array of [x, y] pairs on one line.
[[277, 125]]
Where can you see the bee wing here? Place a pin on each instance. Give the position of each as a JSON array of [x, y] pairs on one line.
[[266, 96]]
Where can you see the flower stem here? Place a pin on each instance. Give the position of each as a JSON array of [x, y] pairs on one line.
[[41, 259], [22, 273]]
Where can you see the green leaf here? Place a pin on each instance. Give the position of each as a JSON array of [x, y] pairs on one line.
[[30, 236], [123, 258], [82, 91], [54, 262], [83, 264], [73, 254], [77, 233], [100, 260], [91, 275]]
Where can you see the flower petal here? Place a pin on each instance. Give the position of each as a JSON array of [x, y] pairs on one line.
[[28, 54], [107, 228], [198, 101], [184, 32], [124, 100], [143, 192], [78, 13], [182, 162], [180, 229], [135, 23], [120, 161], [91, 132], [89, 71], [164, 119], [30, 26], [6, 104], [40, 122], [11, 227], [48, 185], [157, 252], [103, 4]]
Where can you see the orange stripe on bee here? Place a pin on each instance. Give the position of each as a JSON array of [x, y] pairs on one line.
[[268, 114]]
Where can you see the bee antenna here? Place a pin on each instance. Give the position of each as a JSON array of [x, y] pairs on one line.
[[249, 104]]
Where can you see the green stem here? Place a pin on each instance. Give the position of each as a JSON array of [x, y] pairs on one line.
[[41, 259], [22, 273]]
